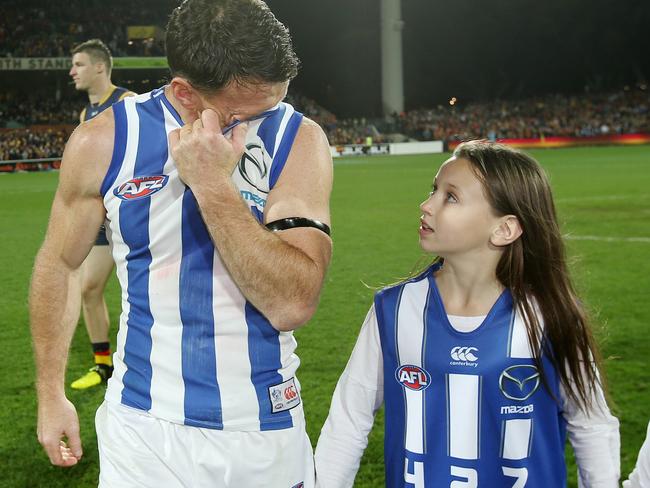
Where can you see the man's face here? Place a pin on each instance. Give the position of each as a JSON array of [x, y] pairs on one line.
[[83, 71], [240, 102]]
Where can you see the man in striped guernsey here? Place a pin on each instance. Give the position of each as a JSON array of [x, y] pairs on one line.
[[193, 177], [91, 72]]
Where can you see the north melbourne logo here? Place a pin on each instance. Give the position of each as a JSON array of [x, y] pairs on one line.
[[464, 356], [284, 396]]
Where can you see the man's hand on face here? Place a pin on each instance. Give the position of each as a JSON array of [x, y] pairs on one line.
[[202, 153]]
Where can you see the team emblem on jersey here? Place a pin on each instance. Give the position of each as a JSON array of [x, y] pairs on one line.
[[140, 187], [412, 377], [252, 166], [284, 396], [519, 382]]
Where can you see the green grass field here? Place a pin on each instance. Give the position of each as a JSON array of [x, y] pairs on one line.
[[603, 197]]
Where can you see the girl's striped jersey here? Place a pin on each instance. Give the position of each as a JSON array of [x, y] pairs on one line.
[[462, 409], [190, 348], [473, 408]]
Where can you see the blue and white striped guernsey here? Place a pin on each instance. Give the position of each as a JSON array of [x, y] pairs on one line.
[[190, 348], [464, 409]]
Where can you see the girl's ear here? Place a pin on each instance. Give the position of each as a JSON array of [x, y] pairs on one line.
[[507, 232]]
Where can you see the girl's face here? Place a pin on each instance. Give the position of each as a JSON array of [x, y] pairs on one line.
[[456, 218]]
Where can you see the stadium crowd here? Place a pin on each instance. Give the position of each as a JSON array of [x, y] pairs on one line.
[[41, 28], [26, 144], [625, 111], [621, 112], [18, 110]]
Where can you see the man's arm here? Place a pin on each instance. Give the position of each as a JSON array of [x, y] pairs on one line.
[[77, 212], [283, 281]]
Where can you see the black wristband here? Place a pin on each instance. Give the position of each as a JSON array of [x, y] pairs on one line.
[[291, 222]]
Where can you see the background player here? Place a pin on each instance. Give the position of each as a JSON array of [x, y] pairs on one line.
[[478, 359], [220, 255], [91, 72]]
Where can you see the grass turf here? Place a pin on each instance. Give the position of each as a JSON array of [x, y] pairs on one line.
[[600, 193]]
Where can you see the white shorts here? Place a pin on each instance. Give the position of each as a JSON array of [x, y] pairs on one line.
[[138, 450]]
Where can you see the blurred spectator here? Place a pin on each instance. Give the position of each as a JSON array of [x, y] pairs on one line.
[[42, 28], [17, 110], [32, 144], [21, 144], [622, 112]]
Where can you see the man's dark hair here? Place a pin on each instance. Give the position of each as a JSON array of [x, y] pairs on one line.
[[97, 51], [214, 42]]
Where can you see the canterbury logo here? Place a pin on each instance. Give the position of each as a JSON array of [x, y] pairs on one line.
[[464, 354]]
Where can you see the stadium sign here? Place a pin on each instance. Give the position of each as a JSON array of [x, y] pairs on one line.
[[9, 64], [24, 64]]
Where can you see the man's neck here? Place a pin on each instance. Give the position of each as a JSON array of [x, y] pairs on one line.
[[97, 92]]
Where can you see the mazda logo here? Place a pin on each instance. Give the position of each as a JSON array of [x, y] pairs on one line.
[[252, 162], [519, 382]]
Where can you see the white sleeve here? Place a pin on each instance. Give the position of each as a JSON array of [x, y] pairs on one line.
[[640, 477], [358, 395], [595, 439]]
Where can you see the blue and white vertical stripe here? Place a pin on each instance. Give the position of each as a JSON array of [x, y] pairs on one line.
[[480, 419], [190, 348]]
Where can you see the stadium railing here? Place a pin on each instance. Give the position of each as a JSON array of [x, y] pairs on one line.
[[14, 165]]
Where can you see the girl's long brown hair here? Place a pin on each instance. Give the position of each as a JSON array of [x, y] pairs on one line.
[[534, 267]]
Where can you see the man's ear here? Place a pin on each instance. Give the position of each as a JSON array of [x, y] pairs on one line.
[[506, 232], [186, 95]]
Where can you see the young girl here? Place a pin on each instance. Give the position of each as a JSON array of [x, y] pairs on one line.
[[485, 360]]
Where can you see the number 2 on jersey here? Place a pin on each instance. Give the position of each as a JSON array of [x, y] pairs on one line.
[[471, 477]]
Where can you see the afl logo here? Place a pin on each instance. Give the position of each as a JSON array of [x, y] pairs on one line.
[[141, 187], [412, 377]]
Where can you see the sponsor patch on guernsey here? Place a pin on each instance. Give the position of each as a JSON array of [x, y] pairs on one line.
[[412, 377], [140, 187], [516, 409], [284, 396]]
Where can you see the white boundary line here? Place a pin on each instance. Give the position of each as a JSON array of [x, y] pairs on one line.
[[607, 239], [601, 197]]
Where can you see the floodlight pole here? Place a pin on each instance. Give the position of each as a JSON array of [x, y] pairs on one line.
[[392, 79]]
